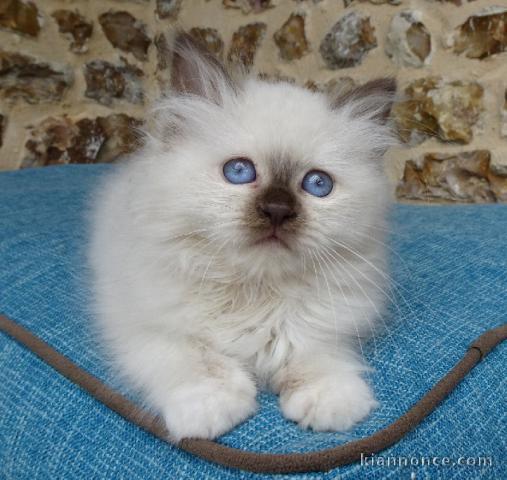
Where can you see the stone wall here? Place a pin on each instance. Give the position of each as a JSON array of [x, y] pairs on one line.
[[76, 76]]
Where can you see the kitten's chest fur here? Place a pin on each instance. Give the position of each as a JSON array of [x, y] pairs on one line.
[[259, 324]]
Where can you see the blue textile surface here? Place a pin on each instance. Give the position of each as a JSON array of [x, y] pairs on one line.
[[450, 265]]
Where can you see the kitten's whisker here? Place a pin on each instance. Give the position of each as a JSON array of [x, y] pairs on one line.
[[379, 315], [185, 235], [390, 281], [316, 275], [210, 262], [338, 283], [343, 269], [385, 245], [380, 272], [352, 221], [330, 298], [394, 286]]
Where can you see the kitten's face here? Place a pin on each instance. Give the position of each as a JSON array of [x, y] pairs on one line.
[[272, 178]]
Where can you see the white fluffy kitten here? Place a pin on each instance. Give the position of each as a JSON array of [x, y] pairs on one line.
[[242, 248]]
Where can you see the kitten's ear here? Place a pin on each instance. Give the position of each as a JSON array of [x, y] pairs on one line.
[[196, 71], [372, 100]]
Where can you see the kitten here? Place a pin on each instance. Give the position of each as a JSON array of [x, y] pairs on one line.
[[242, 248]]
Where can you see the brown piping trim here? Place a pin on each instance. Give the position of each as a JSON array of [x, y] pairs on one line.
[[322, 460]]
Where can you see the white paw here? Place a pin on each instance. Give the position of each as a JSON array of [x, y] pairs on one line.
[[330, 403], [209, 407]]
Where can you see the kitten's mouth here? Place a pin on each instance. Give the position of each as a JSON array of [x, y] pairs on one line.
[[272, 240]]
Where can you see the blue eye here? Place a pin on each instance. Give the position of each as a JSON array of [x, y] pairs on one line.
[[239, 170], [317, 183]]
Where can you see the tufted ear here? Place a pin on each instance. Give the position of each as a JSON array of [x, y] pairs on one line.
[[195, 71], [373, 99]]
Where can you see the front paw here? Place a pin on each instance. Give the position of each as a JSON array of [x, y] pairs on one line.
[[333, 403], [209, 407]]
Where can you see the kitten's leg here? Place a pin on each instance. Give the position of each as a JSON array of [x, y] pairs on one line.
[[324, 392], [199, 392]]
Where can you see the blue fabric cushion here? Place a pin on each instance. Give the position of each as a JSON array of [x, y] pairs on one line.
[[450, 265]]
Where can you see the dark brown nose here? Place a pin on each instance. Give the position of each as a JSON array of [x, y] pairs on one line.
[[278, 206]]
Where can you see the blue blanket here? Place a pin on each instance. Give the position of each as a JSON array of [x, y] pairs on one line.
[[450, 268]]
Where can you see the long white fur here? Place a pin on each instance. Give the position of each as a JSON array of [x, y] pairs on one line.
[[196, 317]]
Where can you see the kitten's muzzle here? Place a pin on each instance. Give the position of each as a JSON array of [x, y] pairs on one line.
[[278, 206]]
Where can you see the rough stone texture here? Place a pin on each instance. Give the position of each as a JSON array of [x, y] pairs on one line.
[[23, 77], [125, 32], [168, 8], [435, 108], [346, 3], [162, 72], [122, 136], [114, 69], [63, 140], [248, 6], [482, 35], [79, 29], [162, 48], [348, 41], [458, 3], [504, 116], [210, 39], [462, 177], [276, 77], [291, 38], [333, 87], [106, 82], [408, 42], [20, 16], [2, 128], [497, 177], [245, 42]]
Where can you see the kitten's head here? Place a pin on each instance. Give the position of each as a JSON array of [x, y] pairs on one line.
[[264, 177]]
